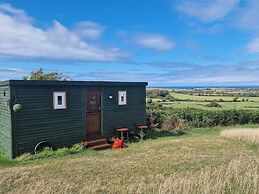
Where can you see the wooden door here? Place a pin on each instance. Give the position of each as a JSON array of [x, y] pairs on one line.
[[93, 112]]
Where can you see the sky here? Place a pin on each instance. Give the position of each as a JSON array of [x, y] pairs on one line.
[[163, 42]]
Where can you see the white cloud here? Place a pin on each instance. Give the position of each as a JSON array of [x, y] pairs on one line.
[[217, 80], [185, 74], [88, 29], [122, 33], [20, 38], [154, 41], [18, 14], [248, 16], [13, 73], [253, 45], [214, 29], [247, 19], [206, 11], [11, 70]]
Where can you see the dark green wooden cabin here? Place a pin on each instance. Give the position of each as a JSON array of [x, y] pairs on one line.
[[66, 112]]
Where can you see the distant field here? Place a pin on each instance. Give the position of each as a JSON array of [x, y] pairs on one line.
[[225, 105], [200, 102], [201, 98]]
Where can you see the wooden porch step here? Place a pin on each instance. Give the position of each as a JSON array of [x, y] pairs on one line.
[[95, 142], [101, 147]]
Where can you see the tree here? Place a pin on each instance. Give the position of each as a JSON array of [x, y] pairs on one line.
[[156, 93], [235, 99], [41, 75]]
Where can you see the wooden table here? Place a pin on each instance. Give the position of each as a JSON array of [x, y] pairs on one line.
[[141, 130], [121, 130], [142, 127]]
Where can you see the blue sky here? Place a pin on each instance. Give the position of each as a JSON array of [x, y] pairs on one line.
[[166, 42]]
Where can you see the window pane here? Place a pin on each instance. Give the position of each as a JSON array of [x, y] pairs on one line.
[[122, 98], [59, 100]]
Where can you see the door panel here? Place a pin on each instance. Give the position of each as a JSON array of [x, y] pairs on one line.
[[93, 101], [93, 112], [93, 123]]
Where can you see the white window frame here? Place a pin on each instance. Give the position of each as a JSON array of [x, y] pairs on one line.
[[56, 94], [120, 93]]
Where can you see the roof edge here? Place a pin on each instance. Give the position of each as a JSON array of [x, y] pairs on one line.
[[5, 83], [73, 83]]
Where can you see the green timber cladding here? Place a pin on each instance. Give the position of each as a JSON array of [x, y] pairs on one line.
[[5, 120], [39, 121]]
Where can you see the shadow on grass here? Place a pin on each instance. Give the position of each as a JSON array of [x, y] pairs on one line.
[[156, 133]]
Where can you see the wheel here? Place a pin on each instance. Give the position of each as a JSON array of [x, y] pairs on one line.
[[41, 145]]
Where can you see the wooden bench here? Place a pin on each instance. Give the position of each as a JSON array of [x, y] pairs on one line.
[[121, 130]]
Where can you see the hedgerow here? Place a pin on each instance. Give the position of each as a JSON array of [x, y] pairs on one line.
[[202, 118]]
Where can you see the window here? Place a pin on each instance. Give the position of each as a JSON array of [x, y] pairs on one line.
[[122, 97], [59, 100]]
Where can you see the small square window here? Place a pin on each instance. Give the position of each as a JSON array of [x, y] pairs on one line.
[[59, 100], [122, 98]]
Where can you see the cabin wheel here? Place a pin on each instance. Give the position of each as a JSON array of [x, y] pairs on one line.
[[41, 145]]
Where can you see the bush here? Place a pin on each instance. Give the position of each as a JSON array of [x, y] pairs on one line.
[[204, 118], [25, 157], [157, 93], [235, 99], [48, 152], [149, 100], [170, 98], [154, 119], [62, 151], [213, 104], [172, 123], [77, 148]]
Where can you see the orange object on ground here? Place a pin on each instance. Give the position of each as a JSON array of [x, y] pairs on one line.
[[117, 144]]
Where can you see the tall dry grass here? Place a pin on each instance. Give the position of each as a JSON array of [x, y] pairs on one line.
[[237, 177], [248, 134]]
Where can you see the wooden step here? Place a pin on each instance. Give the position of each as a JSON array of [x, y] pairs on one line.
[[101, 147], [95, 142]]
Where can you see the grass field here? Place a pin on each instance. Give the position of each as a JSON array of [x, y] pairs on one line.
[[250, 135], [199, 102], [200, 161]]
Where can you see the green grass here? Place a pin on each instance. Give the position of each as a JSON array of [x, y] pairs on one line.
[[6, 161], [225, 105], [199, 102], [201, 98], [76, 151], [198, 162]]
